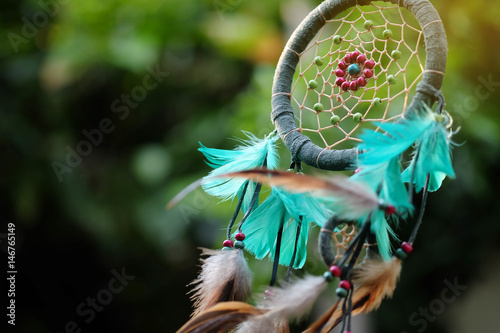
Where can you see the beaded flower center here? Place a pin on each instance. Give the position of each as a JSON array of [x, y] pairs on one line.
[[353, 71]]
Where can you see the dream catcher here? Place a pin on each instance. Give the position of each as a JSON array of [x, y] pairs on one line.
[[357, 88]]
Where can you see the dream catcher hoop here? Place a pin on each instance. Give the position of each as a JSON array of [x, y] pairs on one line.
[[354, 73], [301, 43]]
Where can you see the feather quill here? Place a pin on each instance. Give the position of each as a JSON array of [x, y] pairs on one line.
[[373, 281], [289, 303], [225, 276], [349, 199], [249, 155], [220, 318]]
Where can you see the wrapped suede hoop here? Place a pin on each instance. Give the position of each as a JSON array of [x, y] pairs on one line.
[[282, 115]]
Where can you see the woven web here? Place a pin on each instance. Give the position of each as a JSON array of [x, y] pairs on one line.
[[343, 236], [383, 98]]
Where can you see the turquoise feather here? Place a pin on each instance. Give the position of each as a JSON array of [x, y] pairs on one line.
[[381, 229], [288, 210], [249, 155], [385, 176], [396, 138], [433, 159]]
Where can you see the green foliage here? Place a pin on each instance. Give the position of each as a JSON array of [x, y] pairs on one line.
[[107, 209]]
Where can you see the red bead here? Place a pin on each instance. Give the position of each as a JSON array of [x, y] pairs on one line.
[[339, 81], [228, 243], [407, 248], [347, 58], [361, 58], [345, 284], [353, 86], [239, 236], [339, 72], [342, 64], [368, 73], [369, 64], [335, 270], [390, 209], [354, 55], [361, 81], [345, 86]]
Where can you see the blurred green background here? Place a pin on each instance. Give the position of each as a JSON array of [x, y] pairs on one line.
[[200, 71]]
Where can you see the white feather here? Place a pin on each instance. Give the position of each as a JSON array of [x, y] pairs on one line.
[[289, 303], [219, 269]]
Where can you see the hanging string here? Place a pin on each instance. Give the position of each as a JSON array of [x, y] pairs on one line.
[[290, 267], [421, 212], [236, 212], [276, 257]]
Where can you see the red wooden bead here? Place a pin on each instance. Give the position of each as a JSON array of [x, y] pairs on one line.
[[228, 243], [339, 72], [361, 58], [345, 284], [335, 270], [407, 248], [353, 86], [239, 236], [345, 86], [390, 209], [368, 73], [339, 81], [361, 81], [342, 64], [369, 64], [347, 58], [354, 55]]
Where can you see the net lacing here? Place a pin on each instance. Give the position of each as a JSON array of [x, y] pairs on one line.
[[384, 33]]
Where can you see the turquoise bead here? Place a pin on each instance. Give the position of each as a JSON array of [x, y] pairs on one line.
[[400, 254], [328, 276], [341, 292], [239, 245], [353, 69]]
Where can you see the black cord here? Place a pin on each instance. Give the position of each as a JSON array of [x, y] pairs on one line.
[[421, 212], [412, 179], [290, 267], [255, 197], [276, 257], [360, 238], [236, 212]]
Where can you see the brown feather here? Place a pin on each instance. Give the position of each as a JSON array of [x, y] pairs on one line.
[[182, 194], [354, 199], [220, 318], [323, 322], [288, 303], [224, 276], [373, 281]]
